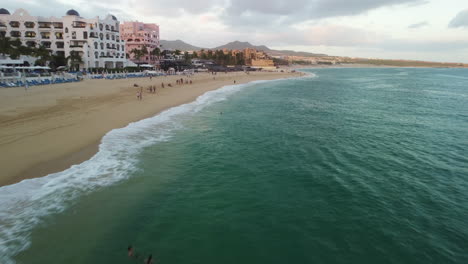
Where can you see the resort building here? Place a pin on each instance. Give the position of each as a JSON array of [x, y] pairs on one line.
[[138, 35], [96, 40]]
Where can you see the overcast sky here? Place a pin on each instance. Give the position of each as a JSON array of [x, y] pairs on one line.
[[435, 30]]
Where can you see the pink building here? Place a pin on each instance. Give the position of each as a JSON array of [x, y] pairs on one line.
[[136, 36]]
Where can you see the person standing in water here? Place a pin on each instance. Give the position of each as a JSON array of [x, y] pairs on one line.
[[149, 260]]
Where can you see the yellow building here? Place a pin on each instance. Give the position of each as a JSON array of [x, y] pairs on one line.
[[262, 63]]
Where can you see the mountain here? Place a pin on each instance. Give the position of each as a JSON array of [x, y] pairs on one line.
[[177, 45], [238, 45]]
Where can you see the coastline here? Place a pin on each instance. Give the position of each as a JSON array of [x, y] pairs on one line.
[[47, 129]]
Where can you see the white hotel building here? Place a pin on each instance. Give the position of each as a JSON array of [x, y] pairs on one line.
[[96, 40]]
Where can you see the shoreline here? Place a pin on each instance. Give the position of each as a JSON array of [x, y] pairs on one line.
[[52, 128]]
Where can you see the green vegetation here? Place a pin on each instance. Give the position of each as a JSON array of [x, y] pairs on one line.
[[219, 57], [14, 49]]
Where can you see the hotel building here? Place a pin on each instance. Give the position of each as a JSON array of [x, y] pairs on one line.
[[96, 40], [138, 35]]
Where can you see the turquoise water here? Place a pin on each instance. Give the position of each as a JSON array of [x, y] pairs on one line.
[[347, 166]]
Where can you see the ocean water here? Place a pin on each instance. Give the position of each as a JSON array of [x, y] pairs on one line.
[[341, 166]]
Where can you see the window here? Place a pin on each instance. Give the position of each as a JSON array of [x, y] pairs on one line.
[[107, 36], [46, 44], [101, 36], [29, 24], [85, 35], [100, 27], [58, 35], [102, 45], [14, 24], [57, 24], [31, 44], [95, 45], [112, 28], [113, 37], [45, 35], [15, 34], [73, 34], [107, 27], [96, 54], [30, 34], [59, 44], [66, 30]]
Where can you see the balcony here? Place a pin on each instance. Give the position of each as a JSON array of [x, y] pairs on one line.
[[14, 24], [76, 46], [44, 25], [57, 25], [29, 24], [30, 34], [78, 24]]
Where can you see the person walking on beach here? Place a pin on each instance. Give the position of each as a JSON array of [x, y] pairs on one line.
[[162, 85]]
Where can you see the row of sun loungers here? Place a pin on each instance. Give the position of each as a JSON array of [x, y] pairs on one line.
[[35, 82]]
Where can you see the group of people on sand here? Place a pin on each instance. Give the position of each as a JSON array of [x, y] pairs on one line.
[[131, 254], [152, 88], [181, 81]]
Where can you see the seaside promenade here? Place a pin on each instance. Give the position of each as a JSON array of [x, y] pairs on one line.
[[48, 128]]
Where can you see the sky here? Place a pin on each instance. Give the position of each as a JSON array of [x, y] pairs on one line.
[[431, 30]]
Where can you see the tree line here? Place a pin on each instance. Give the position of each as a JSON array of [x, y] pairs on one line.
[[14, 48]]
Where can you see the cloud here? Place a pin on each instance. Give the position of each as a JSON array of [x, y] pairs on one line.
[[281, 12], [418, 25], [321, 35], [460, 20], [409, 45]]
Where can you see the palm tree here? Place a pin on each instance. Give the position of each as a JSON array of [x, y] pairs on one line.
[[43, 54], [177, 52], [156, 52], [187, 57], [137, 54], [144, 51], [74, 59], [9, 46], [5, 45]]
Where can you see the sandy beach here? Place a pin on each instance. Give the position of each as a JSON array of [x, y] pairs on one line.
[[46, 129]]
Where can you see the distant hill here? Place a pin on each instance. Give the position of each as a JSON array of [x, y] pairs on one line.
[[236, 45], [177, 45]]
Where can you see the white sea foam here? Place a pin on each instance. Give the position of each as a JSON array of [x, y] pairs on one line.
[[24, 205]]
